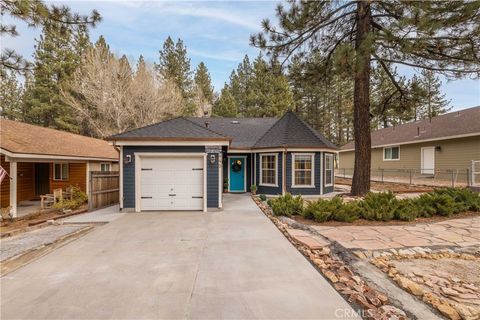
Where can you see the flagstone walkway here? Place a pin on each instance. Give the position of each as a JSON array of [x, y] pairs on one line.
[[455, 232]]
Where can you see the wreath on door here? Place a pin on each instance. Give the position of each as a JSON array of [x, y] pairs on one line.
[[237, 166]]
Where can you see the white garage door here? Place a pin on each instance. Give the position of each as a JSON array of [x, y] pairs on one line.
[[171, 183]]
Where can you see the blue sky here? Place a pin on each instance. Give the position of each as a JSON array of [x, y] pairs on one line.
[[214, 32]]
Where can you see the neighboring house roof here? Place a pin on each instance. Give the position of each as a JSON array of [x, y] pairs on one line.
[[173, 129], [21, 138], [291, 131], [244, 133], [456, 124]]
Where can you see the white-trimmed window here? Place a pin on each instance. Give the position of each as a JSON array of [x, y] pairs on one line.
[[391, 153], [303, 170], [268, 169], [60, 171], [328, 169], [105, 167]]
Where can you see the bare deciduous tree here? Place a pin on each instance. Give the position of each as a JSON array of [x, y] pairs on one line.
[[109, 97]]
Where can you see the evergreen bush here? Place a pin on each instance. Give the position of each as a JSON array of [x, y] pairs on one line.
[[286, 205]]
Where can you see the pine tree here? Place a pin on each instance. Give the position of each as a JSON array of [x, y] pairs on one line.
[[433, 102], [241, 85], [225, 106], [270, 92], [204, 82], [11, 96], [56, 58], [353, 35], [174, 64], [38, 14]]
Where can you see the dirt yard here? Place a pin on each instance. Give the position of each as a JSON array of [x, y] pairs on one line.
[[388, 186], [24, 223], [363, 222]]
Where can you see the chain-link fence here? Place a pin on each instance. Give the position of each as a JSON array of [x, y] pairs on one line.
[[428, 177]]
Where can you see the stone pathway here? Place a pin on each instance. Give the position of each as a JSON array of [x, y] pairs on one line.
[[13, 246], [455, 232]]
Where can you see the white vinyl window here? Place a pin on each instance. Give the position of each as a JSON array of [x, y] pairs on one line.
[[60, 171], [303, 170], [391, 153], [105, 167], [268, 169], [328, 169]]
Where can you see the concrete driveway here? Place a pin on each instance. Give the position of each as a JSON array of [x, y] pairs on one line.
[[231, 264]]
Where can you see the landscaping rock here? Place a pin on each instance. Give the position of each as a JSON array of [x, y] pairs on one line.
[[448, 311]]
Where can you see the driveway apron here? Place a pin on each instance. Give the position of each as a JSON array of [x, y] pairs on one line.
[[230, 264]]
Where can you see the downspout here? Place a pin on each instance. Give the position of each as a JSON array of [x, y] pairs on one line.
[[284, 171], [120, 178]]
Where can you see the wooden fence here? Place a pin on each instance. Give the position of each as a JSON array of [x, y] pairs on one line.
[[104, 189]]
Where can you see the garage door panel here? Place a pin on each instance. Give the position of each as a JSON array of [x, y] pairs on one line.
[[172, 183]]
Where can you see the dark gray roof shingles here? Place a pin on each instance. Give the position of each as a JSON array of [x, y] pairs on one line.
[[245, 133], [173, 128], [291, 131]]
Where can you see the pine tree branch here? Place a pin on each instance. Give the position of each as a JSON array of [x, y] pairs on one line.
[[421, 66]]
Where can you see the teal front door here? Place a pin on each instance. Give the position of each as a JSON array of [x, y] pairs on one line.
[[237, 174]]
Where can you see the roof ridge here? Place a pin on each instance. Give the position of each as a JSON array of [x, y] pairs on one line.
[[205, 128], [147, 126], [51, 129]]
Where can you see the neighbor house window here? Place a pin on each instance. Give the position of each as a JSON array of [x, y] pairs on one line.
[[105, 167], [328, 169], [60, 171], [303, 170], [268, 169], [391, 153]]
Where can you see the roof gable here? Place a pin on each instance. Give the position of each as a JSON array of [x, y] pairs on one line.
[[291, 131], [22, 138], [458, 123]]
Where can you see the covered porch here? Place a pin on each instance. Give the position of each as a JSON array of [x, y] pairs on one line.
[[31, 178]]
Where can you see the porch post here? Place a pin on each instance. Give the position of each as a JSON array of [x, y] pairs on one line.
[[13, 188]]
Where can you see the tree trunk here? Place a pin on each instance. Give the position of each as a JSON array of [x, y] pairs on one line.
[[361, 101]]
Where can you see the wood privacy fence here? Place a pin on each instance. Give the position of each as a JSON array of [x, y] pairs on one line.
[[104, 189]]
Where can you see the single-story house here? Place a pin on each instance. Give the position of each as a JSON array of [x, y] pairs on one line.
[[185, 163], [446, 142], [39, 160]]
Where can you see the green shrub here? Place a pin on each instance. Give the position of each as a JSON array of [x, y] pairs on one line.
[[406, 210], [78, 198], [436, 203], [379, 206], [348, 212], [465, 198], [323, 210], [286, 205], [262, 197]]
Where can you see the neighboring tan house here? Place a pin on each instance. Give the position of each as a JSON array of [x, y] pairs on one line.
[[446, 142], [185, 163], [39, 160]]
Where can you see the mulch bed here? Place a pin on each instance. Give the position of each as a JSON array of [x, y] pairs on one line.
[[363, 222], [388, 186]]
